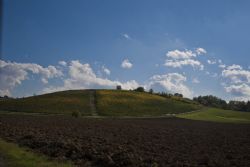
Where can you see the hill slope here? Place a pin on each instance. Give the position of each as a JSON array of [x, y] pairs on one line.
[[131, 103], [64, 102], [218, 115], [106, 103]]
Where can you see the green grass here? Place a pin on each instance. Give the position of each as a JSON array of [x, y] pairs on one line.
[[130, 103], [15, 156], [54, 103], [218, 115], [109, 103]]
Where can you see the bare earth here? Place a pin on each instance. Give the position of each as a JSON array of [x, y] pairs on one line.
[[166, 142]]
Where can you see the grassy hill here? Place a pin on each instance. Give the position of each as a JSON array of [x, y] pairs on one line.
[[64, 102], [107, 103], [131, 103], [218, 115]]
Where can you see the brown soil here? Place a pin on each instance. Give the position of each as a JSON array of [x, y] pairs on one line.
[[131, 142]]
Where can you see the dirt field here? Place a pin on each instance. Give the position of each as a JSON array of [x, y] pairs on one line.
[[131, 142]]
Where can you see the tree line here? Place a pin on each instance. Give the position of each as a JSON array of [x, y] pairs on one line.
[[209, 100], [213, 101]]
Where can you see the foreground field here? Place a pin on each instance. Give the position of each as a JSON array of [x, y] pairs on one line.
[[13, 156], [218, 115], [131, 142]]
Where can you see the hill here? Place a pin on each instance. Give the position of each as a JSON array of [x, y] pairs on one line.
[[218, 115], [131, 103], [64, 102], [105, 102]]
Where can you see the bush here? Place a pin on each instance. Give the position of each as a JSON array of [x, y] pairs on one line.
[[140, 89], [76, 114]]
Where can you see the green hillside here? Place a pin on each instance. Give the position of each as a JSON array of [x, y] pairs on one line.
[[218, 115], [106, 103], [64, 102], [131, 103]]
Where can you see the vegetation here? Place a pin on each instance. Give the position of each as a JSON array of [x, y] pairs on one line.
[[213, 101], [218, 115], [19, 157], [64, 102], [140, 89], [133, 103]]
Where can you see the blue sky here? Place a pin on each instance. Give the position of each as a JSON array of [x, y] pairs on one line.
[[104, 43]]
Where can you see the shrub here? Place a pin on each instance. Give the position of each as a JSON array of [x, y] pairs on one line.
[[76, 114], [140, 89]]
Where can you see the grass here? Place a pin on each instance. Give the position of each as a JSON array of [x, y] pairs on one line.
[[64, 102], [108, 103], [15, 156], [218, 115], [130, 103]]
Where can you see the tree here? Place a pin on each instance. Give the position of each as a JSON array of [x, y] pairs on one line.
[[118, 87], [140, 89], [151, 91], [211, 101], [178, 95]]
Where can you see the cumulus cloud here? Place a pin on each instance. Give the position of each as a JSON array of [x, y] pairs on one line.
[[81, 76], [211, 61], [172, 82], [13, 74], [236, 74], [62, 63], [106, 70], [234, 67], [178, 59], [222, 66], [200, 51], [177, 54], [237, 81], [239, 90], [126, 64], [186, 62]]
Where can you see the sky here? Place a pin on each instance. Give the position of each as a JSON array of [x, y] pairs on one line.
[[191, 47]]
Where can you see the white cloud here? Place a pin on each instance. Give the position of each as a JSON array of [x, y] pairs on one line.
[[195, 80], [178, 59], [234, 67], [186, 62], [177, 54], [222, 66], [239, 90], [237, 81], [126, 64], [106, 70], [62, 63], [126, 36], [236, 74], [13, 74], [211, 61], [200, 51], [81, 76], [172, 82]]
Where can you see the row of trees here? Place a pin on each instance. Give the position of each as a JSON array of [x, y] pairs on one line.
[[210, 100], [213, 101], [151, 91]]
